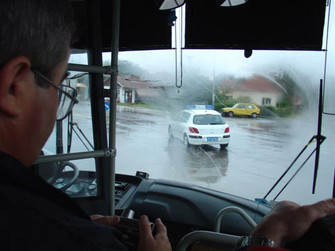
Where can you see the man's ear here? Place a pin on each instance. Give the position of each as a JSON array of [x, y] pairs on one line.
[[12, 75]]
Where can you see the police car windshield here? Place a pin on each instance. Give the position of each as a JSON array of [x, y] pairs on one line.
[[208, 119]]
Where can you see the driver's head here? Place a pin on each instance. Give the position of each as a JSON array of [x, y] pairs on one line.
[[35, 36], [41, 30]]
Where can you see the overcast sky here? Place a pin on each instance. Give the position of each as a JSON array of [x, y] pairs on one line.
[[233, 61], [309, 66], [211, 62]]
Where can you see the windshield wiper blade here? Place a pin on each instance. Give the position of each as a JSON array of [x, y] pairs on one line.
[[319, 140]]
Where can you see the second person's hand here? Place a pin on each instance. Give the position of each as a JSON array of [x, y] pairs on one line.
[[148, 241]]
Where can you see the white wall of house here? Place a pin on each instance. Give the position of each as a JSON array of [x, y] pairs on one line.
[[259, 98], [133, 96], [122, 95]]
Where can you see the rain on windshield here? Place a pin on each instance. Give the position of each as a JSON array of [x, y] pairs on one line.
[[284, 84]]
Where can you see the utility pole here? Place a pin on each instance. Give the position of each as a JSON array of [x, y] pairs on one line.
[[213, 95], [213, 91]]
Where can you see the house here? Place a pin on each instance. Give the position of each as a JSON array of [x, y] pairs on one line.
[[133, 90], [257, 89]]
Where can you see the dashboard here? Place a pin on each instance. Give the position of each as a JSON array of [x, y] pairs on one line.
[[182, 207]]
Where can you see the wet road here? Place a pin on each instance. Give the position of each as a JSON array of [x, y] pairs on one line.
[[260, 150]]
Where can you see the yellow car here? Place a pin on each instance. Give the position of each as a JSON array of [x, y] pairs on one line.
[[242, 109]]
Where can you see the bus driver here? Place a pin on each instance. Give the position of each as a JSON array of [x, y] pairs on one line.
[[34, 49]]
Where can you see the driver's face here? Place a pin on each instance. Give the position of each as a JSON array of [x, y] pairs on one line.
[[43, 109]]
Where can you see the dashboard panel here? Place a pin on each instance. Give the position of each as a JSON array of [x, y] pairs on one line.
[[182, 207]]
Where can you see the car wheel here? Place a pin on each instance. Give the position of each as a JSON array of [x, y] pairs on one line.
[[185, 140], [223, 146], [170, 133], [254, 115], [230, 114]]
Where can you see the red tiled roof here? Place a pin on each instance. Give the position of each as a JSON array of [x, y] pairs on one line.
[[145, 92], [259, 84], [129, 83]]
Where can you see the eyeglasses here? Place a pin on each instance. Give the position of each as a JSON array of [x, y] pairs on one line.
[[66, 96]]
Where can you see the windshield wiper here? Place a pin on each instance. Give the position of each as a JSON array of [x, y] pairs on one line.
[[319, 138]]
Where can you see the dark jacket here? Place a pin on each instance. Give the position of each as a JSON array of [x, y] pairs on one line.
[[36, 216]]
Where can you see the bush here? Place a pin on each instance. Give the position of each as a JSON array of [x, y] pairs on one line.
[[270, 111], [284, 112], [218, 107]]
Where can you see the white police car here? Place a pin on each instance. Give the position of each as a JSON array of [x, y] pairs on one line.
[[200, 125]]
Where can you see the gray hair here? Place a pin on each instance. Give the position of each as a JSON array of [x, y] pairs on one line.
[[41, 30]]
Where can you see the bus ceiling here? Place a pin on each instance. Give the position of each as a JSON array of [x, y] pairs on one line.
[[257, 24]]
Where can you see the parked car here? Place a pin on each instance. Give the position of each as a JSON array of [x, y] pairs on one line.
[[200, 127], [242, 109]]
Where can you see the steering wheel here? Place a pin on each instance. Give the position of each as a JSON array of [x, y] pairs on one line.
[[227, 241], [58, 173]]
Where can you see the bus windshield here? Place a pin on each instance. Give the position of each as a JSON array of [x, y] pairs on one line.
[[280, 92]]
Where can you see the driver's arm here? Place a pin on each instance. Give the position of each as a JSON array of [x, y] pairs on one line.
[[288, 222]]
